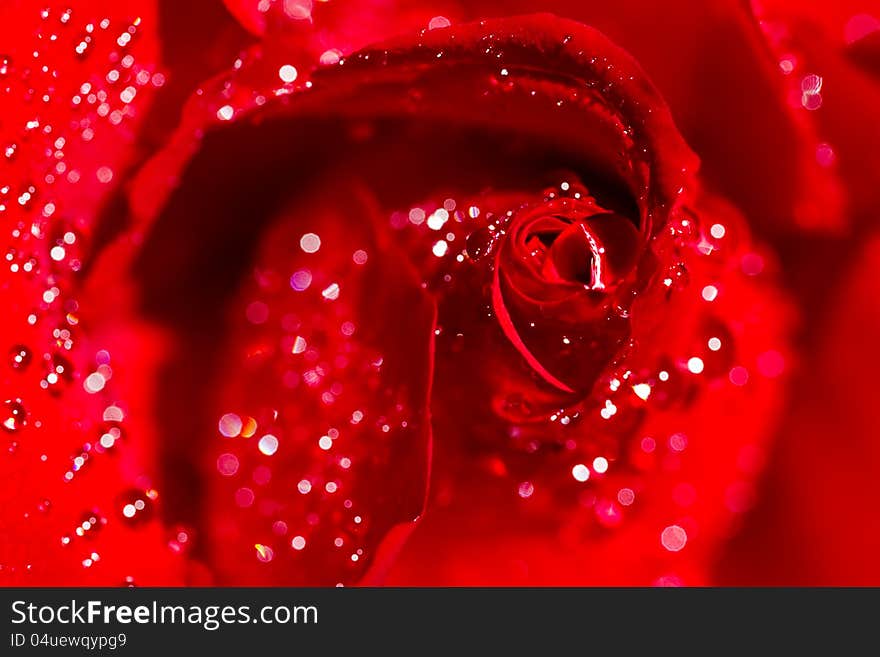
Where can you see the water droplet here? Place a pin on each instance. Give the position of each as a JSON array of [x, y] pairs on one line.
[[19, 357], [298, 9], [108, 435], [268, 444], [479, 244], [287, 73], [59, 373], [180, 540], [310, 243], [230, 425], [330, 57], [265, 554], [90, 523], [438, 22], [580, 472], [227, 464], [136, 506], [673, 538], [14, 415]]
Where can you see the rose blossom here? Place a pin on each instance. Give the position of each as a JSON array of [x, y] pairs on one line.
[[453, 307]]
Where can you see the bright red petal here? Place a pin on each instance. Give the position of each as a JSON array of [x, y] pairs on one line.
[[76, 84]]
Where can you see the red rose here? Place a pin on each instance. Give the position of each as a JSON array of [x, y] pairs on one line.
[[410, 298]]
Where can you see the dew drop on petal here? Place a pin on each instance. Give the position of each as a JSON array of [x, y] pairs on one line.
[[330, 57], [104, 174], [811, 84], [678, 442], [787, 64], [526, 489], [287, 73], [14, 415], [19, 357], [244, 497], [230, 425], [438, 218], [113, 414], [642, 391], [580, 472], [136, 506], [301, 280], [299, 345], [310, 243], [298, 9], [268, 444], [438, 22], [227, 464], [718, 231], [94, 382], [108, 439], [673, 538], [265, 554]]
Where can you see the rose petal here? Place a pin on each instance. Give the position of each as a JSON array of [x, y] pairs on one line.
[[312, 350], [69, 119], [655, 507], [847, 135], [821, 492]]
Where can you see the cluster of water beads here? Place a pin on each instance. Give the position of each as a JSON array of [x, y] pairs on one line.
[[74, 97], [14, 416], [603, 436], [293, 462], [447, 243]]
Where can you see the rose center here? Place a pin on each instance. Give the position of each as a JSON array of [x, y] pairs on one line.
[[596, 251]]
